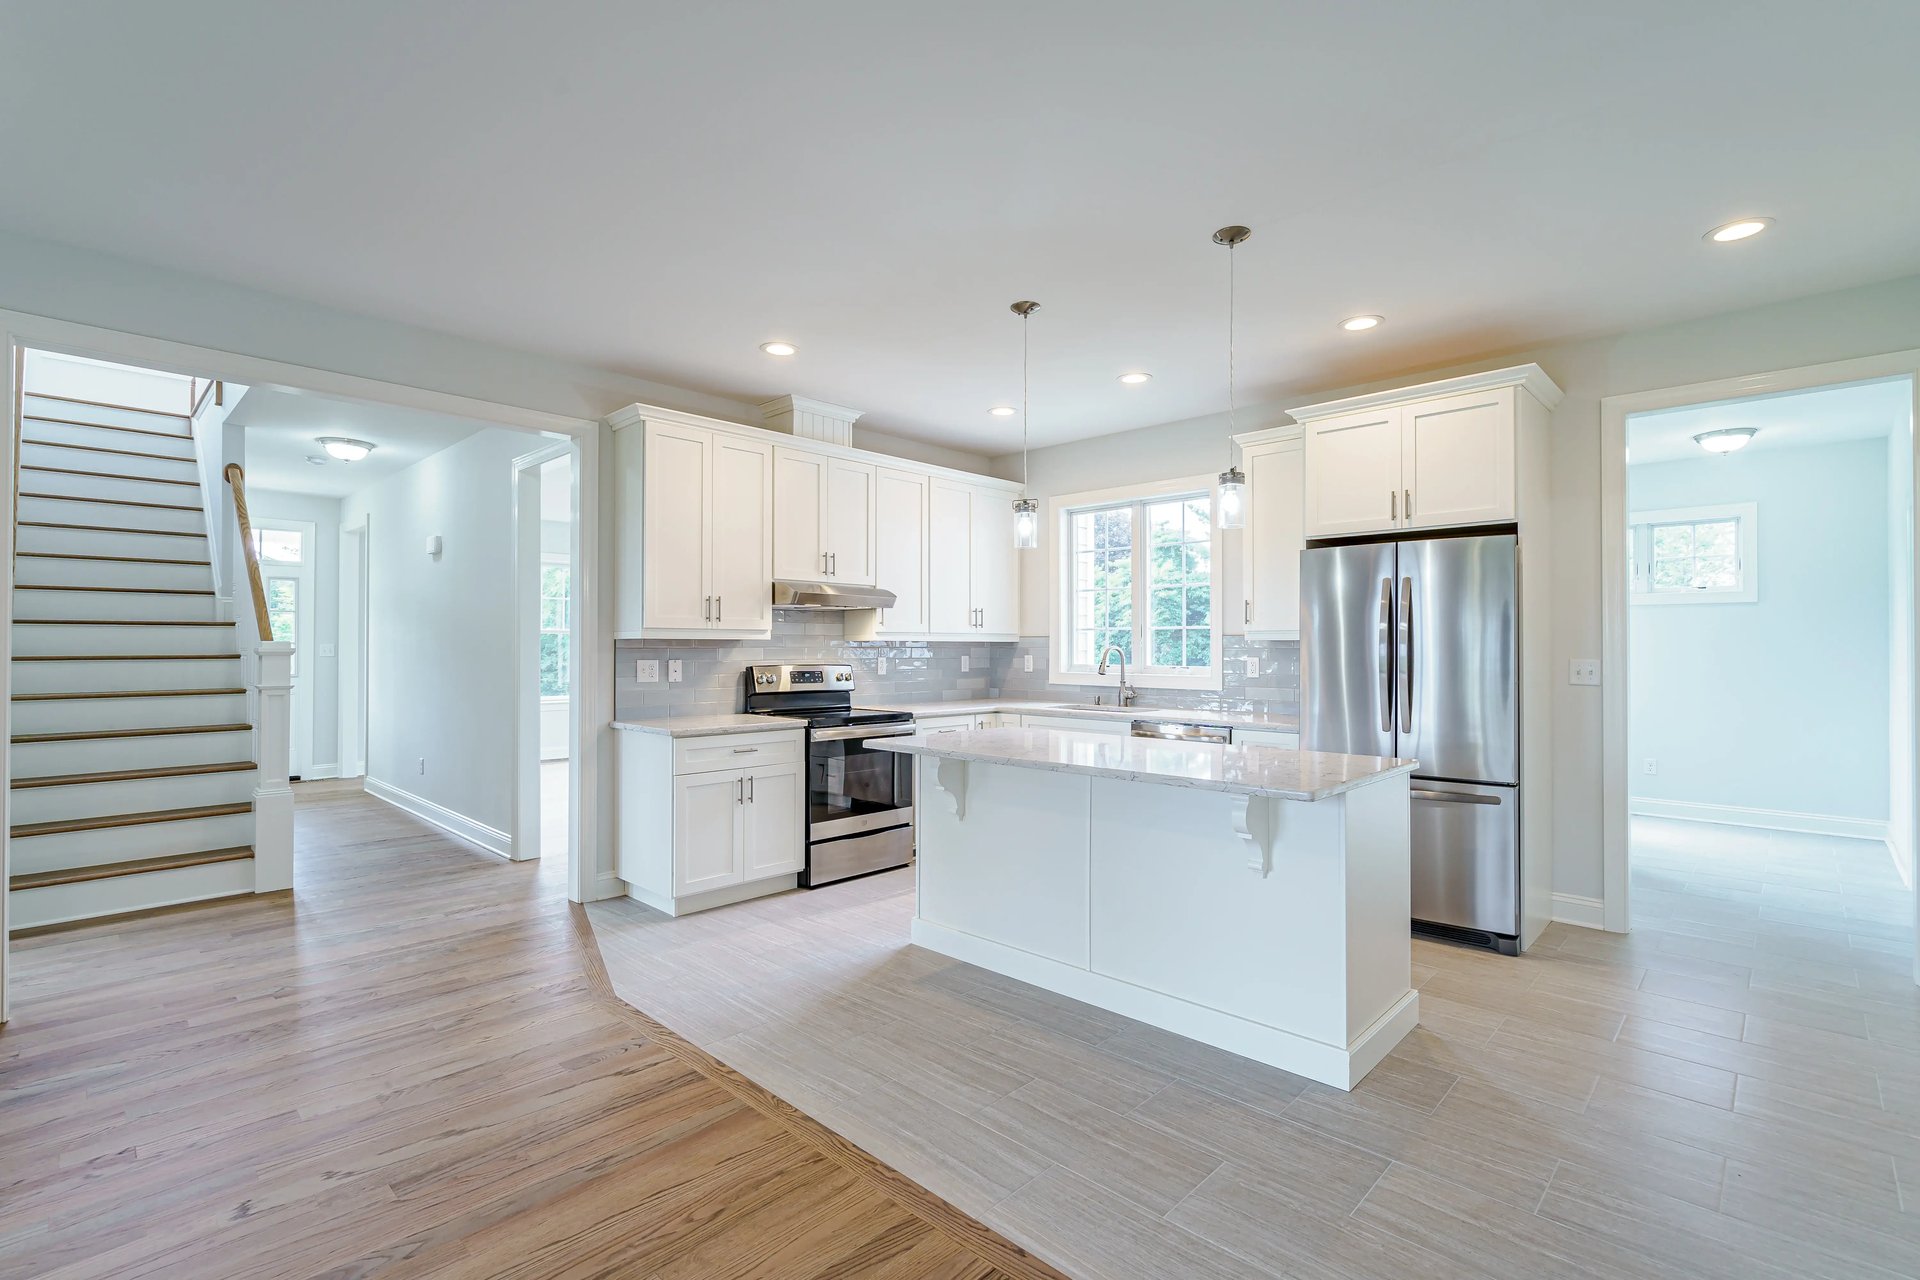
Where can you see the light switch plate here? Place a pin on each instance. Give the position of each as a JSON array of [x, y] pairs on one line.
[[1583, 671], [326, 651], [646, 670], [673, 671]]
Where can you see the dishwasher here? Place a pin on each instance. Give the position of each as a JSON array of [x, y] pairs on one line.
[[1177, 731]]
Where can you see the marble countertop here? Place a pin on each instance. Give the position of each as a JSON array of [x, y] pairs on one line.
[[1022, 706], [1241, 770], [708, 726]]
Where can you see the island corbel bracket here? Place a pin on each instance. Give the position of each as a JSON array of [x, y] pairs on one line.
[[1256, 820], [951, 777]]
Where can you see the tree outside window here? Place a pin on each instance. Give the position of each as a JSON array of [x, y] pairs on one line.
[[555, 651], [1140, 577]]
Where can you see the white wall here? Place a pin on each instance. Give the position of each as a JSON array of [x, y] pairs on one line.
[[51, 374], [440, 631], [321, 664], [1778, 704], [1836, 326], [1901, 765]]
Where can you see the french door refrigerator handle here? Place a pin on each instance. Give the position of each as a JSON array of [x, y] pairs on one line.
[[1406, 656], [1385, 655]]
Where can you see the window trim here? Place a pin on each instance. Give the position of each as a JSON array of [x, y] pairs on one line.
[[1639, 565], [1060, 668]]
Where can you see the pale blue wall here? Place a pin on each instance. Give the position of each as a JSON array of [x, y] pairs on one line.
[[1779, 704]]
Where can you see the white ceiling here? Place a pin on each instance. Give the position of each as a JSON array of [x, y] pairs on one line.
[[283, 428], [1860, 411], [660, 187]]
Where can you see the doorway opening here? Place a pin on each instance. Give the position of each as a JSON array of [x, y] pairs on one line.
[[543, 522]]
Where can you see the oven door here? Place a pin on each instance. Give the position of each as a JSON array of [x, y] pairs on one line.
[[854, 787]]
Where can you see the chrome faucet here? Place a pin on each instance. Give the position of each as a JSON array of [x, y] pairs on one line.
[[1126, 693]]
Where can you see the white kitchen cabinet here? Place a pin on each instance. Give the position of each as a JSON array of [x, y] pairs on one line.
[[1266, 738], [708, 820], [900, 550], [1442, 455], [1275, 464], [1113, 726], [701, 562], [996, 565], [823, 517], [972, 569], [940, 724]]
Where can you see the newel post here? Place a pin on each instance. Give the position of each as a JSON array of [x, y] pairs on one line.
[[272, 747]]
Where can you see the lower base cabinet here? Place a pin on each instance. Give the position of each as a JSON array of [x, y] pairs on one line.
[[712, 820]]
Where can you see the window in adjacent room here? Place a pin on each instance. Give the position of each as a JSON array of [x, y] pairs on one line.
[[555, 660], [1694, 555]]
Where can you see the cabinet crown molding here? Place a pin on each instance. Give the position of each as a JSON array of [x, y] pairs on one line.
[[1271, 435], [1530, 376]]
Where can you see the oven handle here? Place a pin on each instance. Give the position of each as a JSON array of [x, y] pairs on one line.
[[855, 732]]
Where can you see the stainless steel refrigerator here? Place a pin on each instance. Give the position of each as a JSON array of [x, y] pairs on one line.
[[1412, 649]]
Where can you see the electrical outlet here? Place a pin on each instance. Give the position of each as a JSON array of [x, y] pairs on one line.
[[966, 664], [1651, 766], [423, 764], [326, 651], [646, 670], [1583, 671], [1026, 661], [1253, 666], [880, 665], [673, 671]]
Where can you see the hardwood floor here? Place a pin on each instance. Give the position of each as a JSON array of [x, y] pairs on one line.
[[1730, 1091], [413, 1064]]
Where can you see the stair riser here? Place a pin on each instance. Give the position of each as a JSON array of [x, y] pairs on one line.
[[62, 511], [99, 486], [95, 542], [41, 758], [71, 849], [58, 904], [121, 606], [128, 713], [34, 453], [79, 677], [56, 639], [34, 571], [96, 799], [43, 407]]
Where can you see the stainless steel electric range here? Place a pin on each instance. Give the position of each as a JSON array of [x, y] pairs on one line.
[[859, 799]]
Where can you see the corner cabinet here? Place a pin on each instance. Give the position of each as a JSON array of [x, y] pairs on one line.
[[1275, 534], [1442, 455]]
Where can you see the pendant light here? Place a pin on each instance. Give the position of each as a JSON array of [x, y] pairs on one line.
[[1026, 512], [1233, 481]]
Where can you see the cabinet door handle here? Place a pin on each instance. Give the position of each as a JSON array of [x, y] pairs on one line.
[[740, 790], [833, 563], [1246, 611], [749, 788], [718, 611], [1393, 506], [823, 564], [709, 608], [1408, 504]]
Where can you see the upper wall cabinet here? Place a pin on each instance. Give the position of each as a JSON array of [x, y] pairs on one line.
[[701, 560], [1435, 456], [1275, 536], [973, 575], [823, 513], [900, 550]]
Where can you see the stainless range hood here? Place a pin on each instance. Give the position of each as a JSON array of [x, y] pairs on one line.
[[829, 595]]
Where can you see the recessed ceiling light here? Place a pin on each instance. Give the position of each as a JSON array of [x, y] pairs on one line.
[[1360, 324], [1726, 440], [1135, 379], [1728, 232], [1003, 411], [778, 348], [344, 449]]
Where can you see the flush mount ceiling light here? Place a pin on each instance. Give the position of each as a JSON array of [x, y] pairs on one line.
[[1360, 324], [1233, 481], [1741, 229], [344, 449], [1135, 379], [1003, 411], [1726, 440], [778, 348], [1026, 511]]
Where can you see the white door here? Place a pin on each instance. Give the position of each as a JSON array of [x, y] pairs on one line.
[[706, 831], [799, 510], [850, 522], [900, 550], [1353, 473], [1457, 460], [996, 567], [286, 550], [773, 823], [1274, 539], [949, 557], [674, 527], [738, 505]]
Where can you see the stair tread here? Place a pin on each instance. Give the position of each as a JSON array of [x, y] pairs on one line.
[[100, 448], [88, 735], [95, 694], [132, 591], [105, 822], [104, 426], [118, 622], [104, 404], [107, 475], [126, 657], [78, 555], [134, 867], [112, 502], [113, 528], [130, 775]]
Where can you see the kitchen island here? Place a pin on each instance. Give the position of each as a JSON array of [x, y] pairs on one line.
[[1249, 897]]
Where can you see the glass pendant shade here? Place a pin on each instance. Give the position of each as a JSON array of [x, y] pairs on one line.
[[1026, 524], [1233, 498]]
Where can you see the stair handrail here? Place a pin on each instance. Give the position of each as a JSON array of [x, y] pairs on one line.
[[237, 482]]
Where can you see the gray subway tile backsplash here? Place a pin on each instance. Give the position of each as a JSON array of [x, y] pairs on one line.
[[712, 671]]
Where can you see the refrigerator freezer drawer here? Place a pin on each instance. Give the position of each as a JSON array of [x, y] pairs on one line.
[[1466, 856]]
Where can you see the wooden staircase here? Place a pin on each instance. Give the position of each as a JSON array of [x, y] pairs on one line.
[[133, 781]]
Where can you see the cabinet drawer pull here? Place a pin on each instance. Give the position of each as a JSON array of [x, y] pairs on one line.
[[746, 751]]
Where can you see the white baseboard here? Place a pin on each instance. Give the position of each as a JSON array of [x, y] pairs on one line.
[[608, 886], [478, 834], [1571, 908], [1819, 824]]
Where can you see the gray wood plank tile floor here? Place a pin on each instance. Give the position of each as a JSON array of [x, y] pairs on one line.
[[1731, 1090]]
